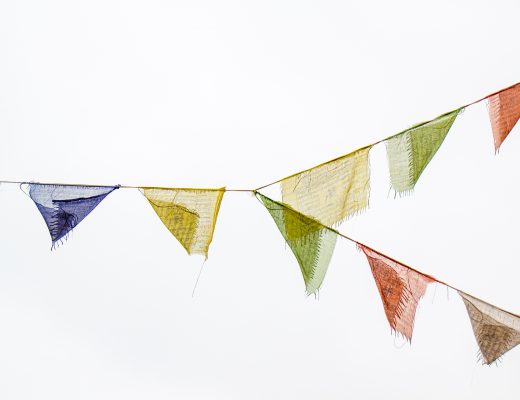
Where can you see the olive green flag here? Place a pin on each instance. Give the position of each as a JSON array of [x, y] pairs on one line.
[[410, 152], [311, 242]]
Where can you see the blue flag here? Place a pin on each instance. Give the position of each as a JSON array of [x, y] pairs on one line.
[[63, 207]]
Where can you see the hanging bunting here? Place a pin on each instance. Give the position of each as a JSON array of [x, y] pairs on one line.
[[312, 202], [333, 191], [63, 207], [504, 112], [311, 242], [497, 331], [400, 288], [410, 152], [189, 214]]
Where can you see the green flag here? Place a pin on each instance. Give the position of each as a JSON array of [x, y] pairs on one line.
[[311, 242], [410, 152]]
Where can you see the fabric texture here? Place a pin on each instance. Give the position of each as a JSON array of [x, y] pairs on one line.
[[311, 242], [189, 214], [400, 288], [504, 112], [410, 152], [333, 191], [63, 207], [496, 331]]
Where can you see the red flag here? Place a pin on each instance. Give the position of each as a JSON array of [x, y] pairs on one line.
[[504, 112], [400, 288]]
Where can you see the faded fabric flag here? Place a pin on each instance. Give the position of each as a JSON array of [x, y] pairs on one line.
[[189, 214], [410, 152], [311, 242], [400, 288], [63, 207], [504, 112], [333, 191], [496, 331]]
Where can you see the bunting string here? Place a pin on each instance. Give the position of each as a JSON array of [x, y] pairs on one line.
[[401, 287], [496, 103], [515, 87], [314, 201]]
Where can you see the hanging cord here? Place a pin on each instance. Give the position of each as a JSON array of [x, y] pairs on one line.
[[256, 192], [285, 207], [297, 173], [198, 277]]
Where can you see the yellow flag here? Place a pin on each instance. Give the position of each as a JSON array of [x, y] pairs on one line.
[[331, 192], [189, 214]]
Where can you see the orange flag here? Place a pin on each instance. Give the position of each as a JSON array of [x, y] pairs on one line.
[[504, 112], [400, 288]]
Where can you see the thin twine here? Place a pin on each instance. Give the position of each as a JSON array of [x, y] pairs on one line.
[[120, 186], [297, 173], [256, 192], [392, 136], [382, 254], [198, 277]]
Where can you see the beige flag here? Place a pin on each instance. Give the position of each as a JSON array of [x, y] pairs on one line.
[[189, 214], [497, 331], [333, 191]]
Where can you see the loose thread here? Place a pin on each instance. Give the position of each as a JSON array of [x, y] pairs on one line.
[[198, 277]]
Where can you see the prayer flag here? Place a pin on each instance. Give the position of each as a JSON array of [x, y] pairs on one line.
[[311, 242], [189, 214], [400, 288], [410, 152], [63, 207], [333, 191], [496, 331], [504, 112]]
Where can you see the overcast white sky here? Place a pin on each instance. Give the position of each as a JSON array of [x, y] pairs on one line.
[[205, 93]]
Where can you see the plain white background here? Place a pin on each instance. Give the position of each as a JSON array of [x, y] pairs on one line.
[[206, 94]]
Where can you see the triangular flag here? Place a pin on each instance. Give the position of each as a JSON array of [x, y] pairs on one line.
[[333, 191], [311, 242], [189, 214], [497, 331], [410, 152], [504, 112], [400, 288], [63, 207]]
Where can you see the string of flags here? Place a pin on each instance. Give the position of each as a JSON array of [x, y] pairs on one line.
[[314, 202], [400, 286]]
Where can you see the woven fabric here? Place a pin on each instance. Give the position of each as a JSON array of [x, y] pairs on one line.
[[504, 112], [63, 207], [311, 242], [400, 288], [333, 191], [496, 331], [410, 152], [189, 214]]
